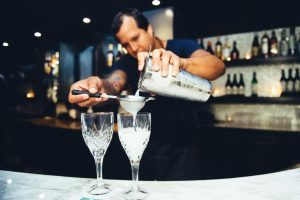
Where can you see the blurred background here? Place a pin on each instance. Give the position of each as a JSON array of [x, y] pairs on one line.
[[249, 126]]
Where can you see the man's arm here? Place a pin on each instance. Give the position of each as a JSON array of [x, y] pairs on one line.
[[203, 64]]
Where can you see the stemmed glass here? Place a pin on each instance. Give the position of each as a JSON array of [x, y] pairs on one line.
[[97, 131], [134, 134]]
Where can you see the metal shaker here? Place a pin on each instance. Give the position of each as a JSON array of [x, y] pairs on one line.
[[184, 86]]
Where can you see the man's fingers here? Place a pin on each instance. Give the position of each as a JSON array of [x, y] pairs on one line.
[[78, 98], [141, 56], [176, 65], [92, 102], [156, 60], [165, 63], [94, 84]]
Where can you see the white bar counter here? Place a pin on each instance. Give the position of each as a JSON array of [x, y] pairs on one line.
[[283, 185]]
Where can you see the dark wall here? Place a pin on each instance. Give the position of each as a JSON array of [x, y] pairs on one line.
[[195, 19]]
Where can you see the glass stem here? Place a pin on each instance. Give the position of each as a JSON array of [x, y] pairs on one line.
[[135, 174], [99, 162]]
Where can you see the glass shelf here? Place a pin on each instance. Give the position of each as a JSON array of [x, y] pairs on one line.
[[230, 99], [263, 61]]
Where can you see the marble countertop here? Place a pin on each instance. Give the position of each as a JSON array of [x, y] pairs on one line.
[[275, 186]]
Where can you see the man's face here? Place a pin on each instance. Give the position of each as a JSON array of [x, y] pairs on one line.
[[133, 38]]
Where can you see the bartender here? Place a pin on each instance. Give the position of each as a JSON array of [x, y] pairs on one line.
[[172, 152]]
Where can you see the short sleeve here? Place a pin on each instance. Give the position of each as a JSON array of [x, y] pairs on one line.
[[183, 47]]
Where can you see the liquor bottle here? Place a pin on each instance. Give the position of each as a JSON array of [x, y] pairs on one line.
[[226, 51], [283, 83], [218, 48], [265, 45], [209, 48], [273, 44], [201, 43], [284, 45], [255, 49], [292, 43], [298, 44], [297, 83], [254, 85], [228, 85], [110, 55], [290, 83], [241, 85], [234, 85], [234, 54], [120, 52]]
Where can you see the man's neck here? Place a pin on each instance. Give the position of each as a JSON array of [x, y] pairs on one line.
[[158, 43]]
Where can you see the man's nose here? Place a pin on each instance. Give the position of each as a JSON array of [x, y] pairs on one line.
[[133, 47]]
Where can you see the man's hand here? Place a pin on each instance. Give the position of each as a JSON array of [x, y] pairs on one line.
[[93, 85], [161, 60]]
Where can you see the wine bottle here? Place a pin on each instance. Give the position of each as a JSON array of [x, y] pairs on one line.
[[120, 52], [254, 85], [241, 85], [297, 83], [265, 45], [218, 48], [234, 85], [284, 45], [255, 49], [110, 55], [235, 54], [228, 85], [292, 43], [290, 83], [209, 48], [283, 83], [226, 51], [273, 44], [298, 45], [201, 43]]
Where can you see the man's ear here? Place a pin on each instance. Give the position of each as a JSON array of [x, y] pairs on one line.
[[150, 30]]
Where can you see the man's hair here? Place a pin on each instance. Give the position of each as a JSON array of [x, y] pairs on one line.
[[139, 18]]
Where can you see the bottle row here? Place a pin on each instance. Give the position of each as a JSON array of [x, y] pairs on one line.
[[111, 57], [289, 85], [264, 47]]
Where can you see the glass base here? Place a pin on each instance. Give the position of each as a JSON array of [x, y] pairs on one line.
[[99, 189], [136, 193]]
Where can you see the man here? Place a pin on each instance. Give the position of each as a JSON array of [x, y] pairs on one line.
[[172, 152]]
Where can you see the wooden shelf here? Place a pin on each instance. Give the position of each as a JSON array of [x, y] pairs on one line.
[[263, 61], [255, 100]]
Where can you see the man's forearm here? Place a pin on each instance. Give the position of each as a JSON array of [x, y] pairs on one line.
[[205, 66]]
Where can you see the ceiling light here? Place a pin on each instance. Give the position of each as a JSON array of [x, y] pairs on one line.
[[155, 2], [5, 44], [86, 20], [169, 12], [37, 34]]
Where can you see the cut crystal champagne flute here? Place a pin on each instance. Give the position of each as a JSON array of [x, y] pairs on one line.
[[97, 131], [134, 135]]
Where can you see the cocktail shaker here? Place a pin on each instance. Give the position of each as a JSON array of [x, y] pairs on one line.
[[185, 85]]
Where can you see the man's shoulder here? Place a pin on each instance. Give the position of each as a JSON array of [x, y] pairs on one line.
[[182, 47]]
